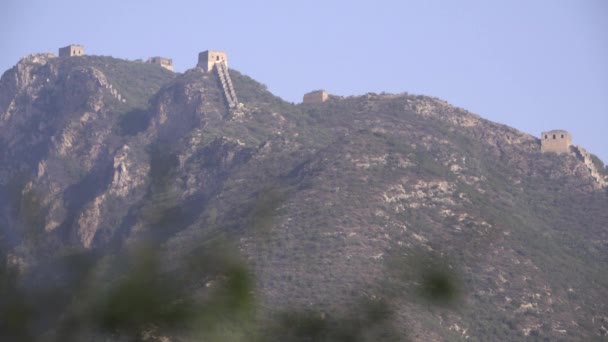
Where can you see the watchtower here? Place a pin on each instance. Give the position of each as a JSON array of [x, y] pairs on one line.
[[317, 96], [166, 63], [558, 141], [71, 50], [217, 60], [207, 59]]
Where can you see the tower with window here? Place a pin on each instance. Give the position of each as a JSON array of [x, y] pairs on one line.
[[71, 50], [207, 59], [558, 141]]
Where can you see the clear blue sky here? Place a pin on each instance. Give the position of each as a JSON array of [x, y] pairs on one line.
[[534, 65]]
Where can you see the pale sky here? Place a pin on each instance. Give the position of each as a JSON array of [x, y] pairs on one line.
[[534, 65]]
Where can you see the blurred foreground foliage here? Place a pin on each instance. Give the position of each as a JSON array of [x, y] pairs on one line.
[[127, 294], [133, 300], [127, 297]]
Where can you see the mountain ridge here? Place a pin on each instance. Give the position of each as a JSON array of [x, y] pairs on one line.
[[322, 201]]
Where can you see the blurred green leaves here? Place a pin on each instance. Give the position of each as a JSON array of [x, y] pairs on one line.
[[368, 320], [127, 294], [15, 311], [134, 296], [423, 277]]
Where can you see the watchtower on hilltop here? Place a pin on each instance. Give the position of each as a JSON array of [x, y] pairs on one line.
[[317, 96], [71, 50], [558, 141], [166, 63], [217, 60], [208, 59]]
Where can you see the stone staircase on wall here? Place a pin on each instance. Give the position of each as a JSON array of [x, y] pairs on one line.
[[115, 93], [585, 157], [103, 82], [222, 71]]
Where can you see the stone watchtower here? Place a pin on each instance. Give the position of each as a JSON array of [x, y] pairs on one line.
[[166, 63], [71, 50], [317, 96], [207, 59], [558, 141], [217, 60]]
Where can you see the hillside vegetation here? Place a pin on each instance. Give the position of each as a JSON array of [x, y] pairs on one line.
[[162, 215]]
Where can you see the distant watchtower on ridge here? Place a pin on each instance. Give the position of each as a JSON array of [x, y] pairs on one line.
[[166, 63], [217, 60], [208, 59], [71, 50], [558, 141], [317, 96]]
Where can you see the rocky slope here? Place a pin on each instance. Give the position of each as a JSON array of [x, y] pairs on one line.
[[358, 198]]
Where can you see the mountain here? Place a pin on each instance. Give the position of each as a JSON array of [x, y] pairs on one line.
[[373, 217]]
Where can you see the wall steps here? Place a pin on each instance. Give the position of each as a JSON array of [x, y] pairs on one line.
[[222, 71]]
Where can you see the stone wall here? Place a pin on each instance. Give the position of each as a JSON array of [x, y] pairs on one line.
[[558, 141], [318, 96], [585, 157], [71, 50], [207, 59]]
